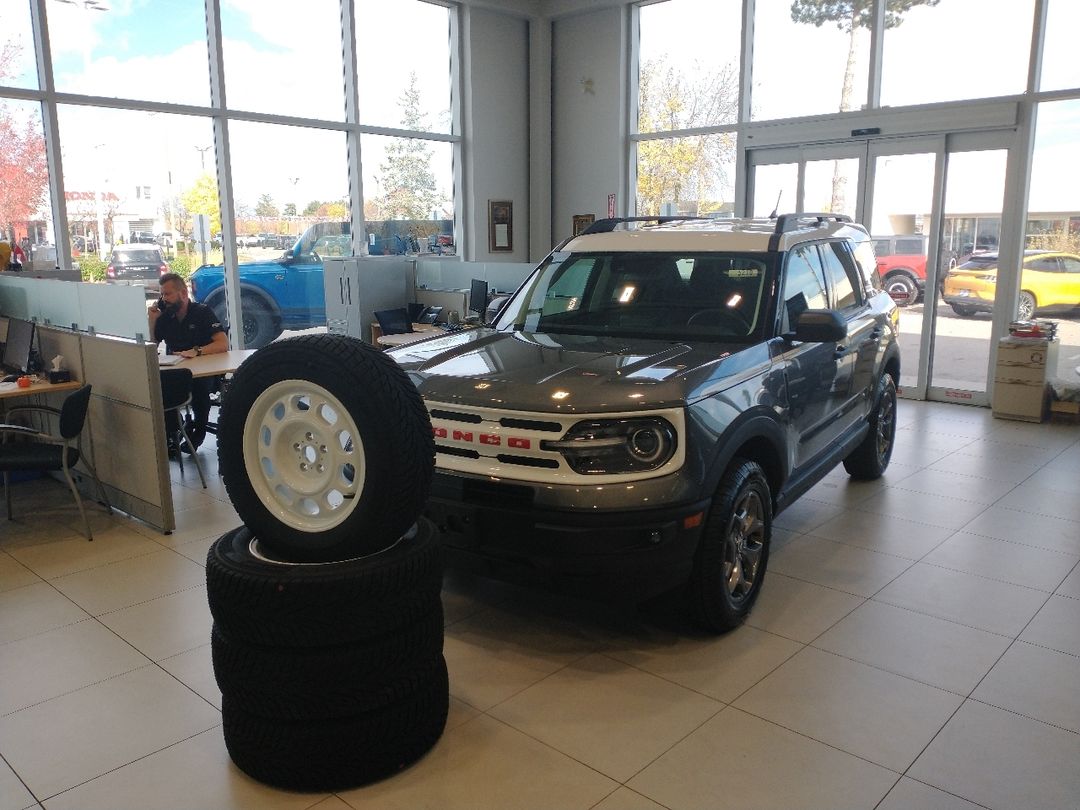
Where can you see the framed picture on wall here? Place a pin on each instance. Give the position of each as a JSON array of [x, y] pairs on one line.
[[581, 222], [500, 225]]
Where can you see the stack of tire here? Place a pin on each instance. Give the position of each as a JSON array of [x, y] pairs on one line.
[[328, 624]]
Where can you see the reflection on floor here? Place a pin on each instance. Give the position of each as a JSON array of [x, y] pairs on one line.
[[917, 645]]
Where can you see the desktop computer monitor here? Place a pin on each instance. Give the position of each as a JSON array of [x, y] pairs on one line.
[[478, 297], [20, 340]]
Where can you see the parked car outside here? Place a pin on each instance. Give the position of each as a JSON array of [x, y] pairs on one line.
[[1050, 282], [649, 399], [137, 266], [901, 263]]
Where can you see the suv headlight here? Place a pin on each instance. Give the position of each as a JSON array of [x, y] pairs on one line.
[[617, 445]]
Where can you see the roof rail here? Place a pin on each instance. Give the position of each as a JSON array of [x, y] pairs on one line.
[[789, 222], [608, 225]]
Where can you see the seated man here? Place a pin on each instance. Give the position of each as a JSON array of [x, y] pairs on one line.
[[189, 329]]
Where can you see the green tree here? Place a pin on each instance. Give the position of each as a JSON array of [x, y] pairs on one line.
[[265, 207], [312, 208], [405, 175], [289, 210], [202, 198], [23, 170], [687, 170], [849, 16]]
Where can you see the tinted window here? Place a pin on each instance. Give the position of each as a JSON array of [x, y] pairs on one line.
[[1047, 265], [137, 256], [882, 248], [1071, 265], [909, 246], [865, 257], [840, 276], [804, 285]]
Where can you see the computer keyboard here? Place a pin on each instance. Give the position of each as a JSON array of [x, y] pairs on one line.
[[451, 327]]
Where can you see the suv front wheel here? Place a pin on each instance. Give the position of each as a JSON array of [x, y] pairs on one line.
[[734, 551]]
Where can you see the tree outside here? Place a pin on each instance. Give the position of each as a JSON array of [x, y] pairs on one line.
[[265, 207], [691, 171], [23, 169], [202, 198]]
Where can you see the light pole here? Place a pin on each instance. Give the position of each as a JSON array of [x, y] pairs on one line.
[[296, 203], [202, 154]]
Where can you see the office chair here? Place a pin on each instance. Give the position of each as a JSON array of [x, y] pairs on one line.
[[46, 452], [394, 321], [175, 397]]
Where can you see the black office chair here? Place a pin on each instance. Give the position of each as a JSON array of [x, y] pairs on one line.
[[46, 452], [394, 321], [175, 397]]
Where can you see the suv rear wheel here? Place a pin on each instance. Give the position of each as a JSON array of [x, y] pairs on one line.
[[869, 460], [734, 551]]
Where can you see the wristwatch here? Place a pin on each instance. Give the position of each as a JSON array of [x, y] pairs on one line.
[[198, 351]]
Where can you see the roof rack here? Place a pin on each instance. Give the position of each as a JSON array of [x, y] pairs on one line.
[[608, 225], [790, 222]]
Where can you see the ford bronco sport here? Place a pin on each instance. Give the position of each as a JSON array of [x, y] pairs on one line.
[[650, 398]]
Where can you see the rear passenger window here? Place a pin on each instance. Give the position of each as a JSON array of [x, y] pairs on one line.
[[842, 277], [804, 285], [910, 246], [864, 256]]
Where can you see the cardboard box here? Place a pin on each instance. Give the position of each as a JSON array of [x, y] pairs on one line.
[[1023, 401]]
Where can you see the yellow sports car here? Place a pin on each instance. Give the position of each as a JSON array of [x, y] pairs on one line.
[[1050, 281]]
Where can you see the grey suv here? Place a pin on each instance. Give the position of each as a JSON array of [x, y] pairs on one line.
[[649, 399]]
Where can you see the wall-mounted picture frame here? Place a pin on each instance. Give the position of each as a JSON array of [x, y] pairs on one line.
[[500, 226], [581, 222]]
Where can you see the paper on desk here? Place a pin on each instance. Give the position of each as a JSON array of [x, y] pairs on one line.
[[170, 359]]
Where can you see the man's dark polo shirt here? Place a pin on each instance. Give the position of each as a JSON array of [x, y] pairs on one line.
[[197, 329]]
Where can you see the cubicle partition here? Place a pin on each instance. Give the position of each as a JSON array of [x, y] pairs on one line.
[[98, 308]]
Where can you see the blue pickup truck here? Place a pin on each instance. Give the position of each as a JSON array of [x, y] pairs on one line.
[[278, 294], [287, 292]]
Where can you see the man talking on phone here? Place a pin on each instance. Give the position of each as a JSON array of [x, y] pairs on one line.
[[189, 329]]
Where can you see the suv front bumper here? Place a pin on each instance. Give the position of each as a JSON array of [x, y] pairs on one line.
[[495, 529]]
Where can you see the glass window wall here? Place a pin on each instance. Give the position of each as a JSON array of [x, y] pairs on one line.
[[17, 65], [25, 204], [1060, 67]]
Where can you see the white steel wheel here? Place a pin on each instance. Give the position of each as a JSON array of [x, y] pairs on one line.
[[303, 455], [325, 447]]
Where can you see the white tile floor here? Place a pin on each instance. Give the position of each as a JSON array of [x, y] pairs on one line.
[[917, 645]]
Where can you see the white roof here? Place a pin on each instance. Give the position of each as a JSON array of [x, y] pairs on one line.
[[739, 235]]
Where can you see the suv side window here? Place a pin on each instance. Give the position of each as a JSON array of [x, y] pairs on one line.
[[912, 246], [842, 277], [804, 285], [864, 256], [882, 247]]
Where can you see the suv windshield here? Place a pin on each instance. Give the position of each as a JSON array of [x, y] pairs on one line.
[[666, 296], [137, 256]]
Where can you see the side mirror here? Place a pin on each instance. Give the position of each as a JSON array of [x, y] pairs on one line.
[[820, 326]]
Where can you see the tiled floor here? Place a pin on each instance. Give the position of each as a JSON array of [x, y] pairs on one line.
[[916, 645]]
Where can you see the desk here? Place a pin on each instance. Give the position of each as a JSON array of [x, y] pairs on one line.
[[8, 390], [213, 365], [421, 331]]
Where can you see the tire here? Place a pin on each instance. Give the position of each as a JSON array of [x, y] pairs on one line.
[[325, 447], [342, 753], [734, 550], [870, 459], [1026, 306], [256, 600], [298, 683], [962, 311], [260, 326], [902, 288]]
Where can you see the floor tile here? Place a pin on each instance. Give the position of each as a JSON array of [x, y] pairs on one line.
[[1071, 585], [13, 574], [844, 491], [909, 539], [46, 665], [67, 740], [1002, 760], [485, 763], [195, 670], [1037, 682], [35, 609], [1007, 452], [212, 521], [56, 557], [722, 667], [1005, 560], [193, 774], [1041, 500], [1040, 531], [13, 793], [799, 610], [1050, 436], [496, 654], [882, 717], [129, 582], [1057, 479], [626, 799], [806, 514], [1009, 471], [606, 714], [801, 772], [986, 604], [196, 550], [165, 626], [1056, 626], [924, 648], [961, 487], [937, 510], [909, 795], [836, 565]]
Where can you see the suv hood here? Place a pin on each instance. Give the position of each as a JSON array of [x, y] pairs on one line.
[[570, 373]]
